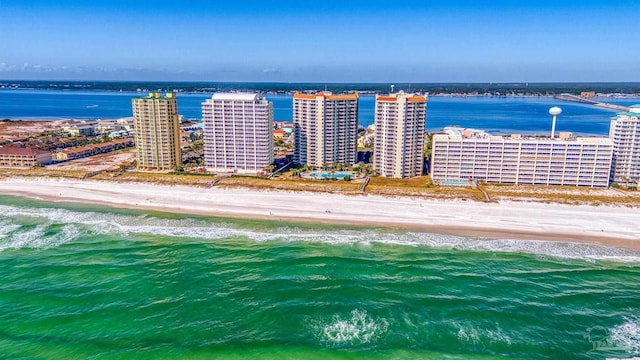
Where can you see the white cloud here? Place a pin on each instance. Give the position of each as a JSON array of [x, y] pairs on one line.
[[7, 67]]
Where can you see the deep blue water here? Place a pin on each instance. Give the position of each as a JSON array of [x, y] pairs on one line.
[[495, 114]]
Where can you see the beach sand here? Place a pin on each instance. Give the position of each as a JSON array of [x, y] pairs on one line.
[[606, 225]]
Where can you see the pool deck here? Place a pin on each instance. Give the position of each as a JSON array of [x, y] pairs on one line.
[[328, 175]]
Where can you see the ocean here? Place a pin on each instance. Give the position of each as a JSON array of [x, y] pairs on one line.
[[82, 281], [88, 282], [527, 115]]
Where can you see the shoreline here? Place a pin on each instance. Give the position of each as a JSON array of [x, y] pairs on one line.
[[371, 92], [601, 225]]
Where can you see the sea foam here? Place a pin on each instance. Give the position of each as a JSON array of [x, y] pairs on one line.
[[127, 225], [357, 328], [37, 237], [627, 335], [469, 333]]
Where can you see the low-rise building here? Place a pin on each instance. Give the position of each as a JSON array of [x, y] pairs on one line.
[[279, 134], [111, 125], [459, 155], [92, 149], [80, 128], [23, 157]]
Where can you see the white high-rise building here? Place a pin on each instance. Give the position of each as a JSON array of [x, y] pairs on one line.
[[325, 128], [157, 132], [625, 134], [399, 138], [238, 133], [462, 155]]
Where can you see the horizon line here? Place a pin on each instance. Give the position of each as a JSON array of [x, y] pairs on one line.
[[330, 82]]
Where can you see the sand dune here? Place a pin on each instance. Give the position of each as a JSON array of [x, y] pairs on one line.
[[609, 225]]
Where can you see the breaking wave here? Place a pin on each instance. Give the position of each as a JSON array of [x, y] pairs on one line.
[[124, 225], [38, 237], [470, 334], [357, 328], [627, 335]]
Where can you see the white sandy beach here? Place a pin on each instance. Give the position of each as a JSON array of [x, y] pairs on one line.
[[610, 225]]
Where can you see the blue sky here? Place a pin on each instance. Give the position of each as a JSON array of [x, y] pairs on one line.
[[324, 41]]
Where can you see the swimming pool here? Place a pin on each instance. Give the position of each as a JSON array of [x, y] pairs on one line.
[[326, 175], [454, 183]]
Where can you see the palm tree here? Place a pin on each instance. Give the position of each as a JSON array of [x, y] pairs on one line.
[[269, 168], [196, 146]]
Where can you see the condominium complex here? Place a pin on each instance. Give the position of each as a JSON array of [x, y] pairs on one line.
[[399, 137], [23, 157], [625, 134], [157, 133], [460, 155], [238, 133], [325, 128]]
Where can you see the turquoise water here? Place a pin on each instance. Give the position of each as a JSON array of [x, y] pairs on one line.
[[82, 282], [455, 183]]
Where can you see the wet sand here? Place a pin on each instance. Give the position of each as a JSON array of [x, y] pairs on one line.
[[615, 226]]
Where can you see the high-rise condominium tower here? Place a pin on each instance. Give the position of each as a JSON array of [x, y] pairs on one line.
[[399, 139], [157, 132], [625, 134], [238, 133], [325, 128]]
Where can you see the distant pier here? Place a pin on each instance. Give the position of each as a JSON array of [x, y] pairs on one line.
[[580, 99]]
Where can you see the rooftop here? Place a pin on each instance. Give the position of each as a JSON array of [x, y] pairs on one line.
[[327, 95], [456, 132], [402, 94], [11, 150], [160, 96], [632, 112], [236, 96]]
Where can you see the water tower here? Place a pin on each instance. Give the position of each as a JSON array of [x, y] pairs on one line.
[[554, 111]]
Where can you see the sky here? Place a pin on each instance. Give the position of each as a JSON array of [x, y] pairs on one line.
[[321, 41]]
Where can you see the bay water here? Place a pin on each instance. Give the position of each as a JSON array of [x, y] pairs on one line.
[[527, 115]]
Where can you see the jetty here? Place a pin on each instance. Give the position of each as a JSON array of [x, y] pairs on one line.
[[580, 99]]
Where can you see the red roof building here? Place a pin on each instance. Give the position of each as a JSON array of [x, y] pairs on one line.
[[23, 157]]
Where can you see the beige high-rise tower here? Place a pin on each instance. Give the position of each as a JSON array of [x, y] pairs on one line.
[[157, 130], [399, 139], [325, 128]]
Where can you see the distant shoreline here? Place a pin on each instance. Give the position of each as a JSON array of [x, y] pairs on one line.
[[143, 92], [363, 93], [469, 88]]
